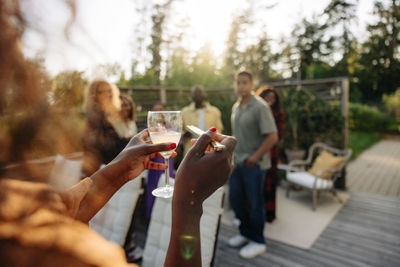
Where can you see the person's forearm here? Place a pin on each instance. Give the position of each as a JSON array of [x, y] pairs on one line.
[[184, 248], [268, 143], [101, 190]]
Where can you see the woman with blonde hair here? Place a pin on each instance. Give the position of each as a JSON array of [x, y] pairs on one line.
[[101, 142], [101, 95]]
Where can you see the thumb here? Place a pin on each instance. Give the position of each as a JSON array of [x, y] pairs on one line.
[[201, 145]]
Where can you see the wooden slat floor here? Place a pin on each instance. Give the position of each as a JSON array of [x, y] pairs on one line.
[[366, 232], [376, 170]]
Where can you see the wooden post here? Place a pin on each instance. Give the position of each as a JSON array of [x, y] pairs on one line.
[[340, 183], [345, 110], [163, 96]]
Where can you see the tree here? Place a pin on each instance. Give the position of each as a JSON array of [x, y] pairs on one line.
[[379, 62], [68, 88], [178, 74], [342, 13], [258, 58], [232, 59], [310, 45], [158, 19], [205, 71]]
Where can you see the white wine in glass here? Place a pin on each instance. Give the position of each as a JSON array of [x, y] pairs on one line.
[[165, 127]]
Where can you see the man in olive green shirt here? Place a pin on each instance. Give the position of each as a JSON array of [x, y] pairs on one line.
[[255, 130]]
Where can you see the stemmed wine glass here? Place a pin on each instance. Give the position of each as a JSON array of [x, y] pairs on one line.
[[165, 127]]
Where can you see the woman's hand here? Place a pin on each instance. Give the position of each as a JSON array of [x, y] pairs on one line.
[[202, 172], [199, 175], [132, 160], [135, 157]]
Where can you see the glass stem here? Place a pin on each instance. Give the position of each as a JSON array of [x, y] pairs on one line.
[[167, 172]]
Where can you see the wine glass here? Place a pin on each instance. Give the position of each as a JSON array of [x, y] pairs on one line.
[[165, 127]]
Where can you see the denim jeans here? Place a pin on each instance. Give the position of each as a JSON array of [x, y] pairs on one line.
[[246, 195]]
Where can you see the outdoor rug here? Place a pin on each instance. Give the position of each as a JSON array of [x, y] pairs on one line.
[[296, 223]]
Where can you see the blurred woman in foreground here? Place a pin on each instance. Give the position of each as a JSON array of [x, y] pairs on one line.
[[42, 227]]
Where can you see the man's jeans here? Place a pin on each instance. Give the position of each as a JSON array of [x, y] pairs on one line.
[[246, 195]]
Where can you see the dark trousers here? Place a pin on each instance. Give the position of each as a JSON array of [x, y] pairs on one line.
[[246, 195]]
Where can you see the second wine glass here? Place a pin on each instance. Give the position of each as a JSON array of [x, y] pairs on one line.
[[165, 127]]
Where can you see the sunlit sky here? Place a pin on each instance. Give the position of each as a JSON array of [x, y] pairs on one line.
[[104, 30]]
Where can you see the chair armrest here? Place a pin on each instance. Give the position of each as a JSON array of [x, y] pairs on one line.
[[298, 162]]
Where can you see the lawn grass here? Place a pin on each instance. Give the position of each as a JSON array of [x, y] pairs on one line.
[[360, 141]]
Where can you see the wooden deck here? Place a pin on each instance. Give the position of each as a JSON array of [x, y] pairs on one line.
[[376, 170], [366, 232]]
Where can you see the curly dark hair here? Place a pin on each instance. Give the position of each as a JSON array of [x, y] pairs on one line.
[[263, 91], [24, 88]]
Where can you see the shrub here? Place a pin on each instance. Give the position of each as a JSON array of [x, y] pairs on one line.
[[367, 118], [310, 119], [392, 104]]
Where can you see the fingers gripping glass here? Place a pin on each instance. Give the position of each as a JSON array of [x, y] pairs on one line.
[[165, 127]]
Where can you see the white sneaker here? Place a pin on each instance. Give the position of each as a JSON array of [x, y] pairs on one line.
[[252, 250], [236, 222], [237, 241]]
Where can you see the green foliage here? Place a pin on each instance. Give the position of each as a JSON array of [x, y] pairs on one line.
[[68, 88], [155, 47], [318, 71], [259, 59], [224, 102], [232, 60], [392, 104], [295, 103], [379, 61], [310, 119], [138, 79], [367, 118], [310, 44], [359, 141], [342, 13]]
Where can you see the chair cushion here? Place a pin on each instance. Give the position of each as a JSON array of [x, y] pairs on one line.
[[159, 231], [306, 179], [113, 220], [324, 161]]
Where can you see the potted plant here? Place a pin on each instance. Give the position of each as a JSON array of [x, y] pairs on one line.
[[309, 120], [296, 107]]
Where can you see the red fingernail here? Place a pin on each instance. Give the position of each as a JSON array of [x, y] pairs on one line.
[[172, 146], [213, 129]]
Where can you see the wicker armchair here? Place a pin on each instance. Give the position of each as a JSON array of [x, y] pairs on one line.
[[297, 174]]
